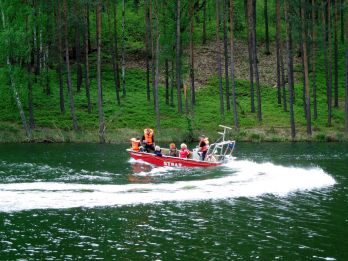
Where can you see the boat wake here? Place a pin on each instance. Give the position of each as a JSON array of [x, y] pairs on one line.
[[241, 179]]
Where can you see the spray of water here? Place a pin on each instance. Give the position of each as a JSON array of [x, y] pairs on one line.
[[243, 179]]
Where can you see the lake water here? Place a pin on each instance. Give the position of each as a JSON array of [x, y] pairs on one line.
[[91, 202]]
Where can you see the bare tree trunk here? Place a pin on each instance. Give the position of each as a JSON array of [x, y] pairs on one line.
[[113, 54], [70, 92], [336, 54], [192, 72], [329, 61], [123, 48], [278, 32], [227, 80], [314, 80], [30, 83], [147, 47], [251, 71], [265, 11], [305, 66], [88, 30], [204, 34], [87, 47], [342, 20], [218, 57], [178, 55], [290, 67], [99, 76], [78, 48], [118, 85], [166, 69], [251, 19], [158, 120], [326, 62], [60, 62], [346, 100], [36, 42], [233, 82]]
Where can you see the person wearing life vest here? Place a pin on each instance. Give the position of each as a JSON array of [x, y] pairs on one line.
[[148, 140], [184, 152], [135, 144], [203, 146], [173, 152]]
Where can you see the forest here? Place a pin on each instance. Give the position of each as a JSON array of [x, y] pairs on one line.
[[103, 70]]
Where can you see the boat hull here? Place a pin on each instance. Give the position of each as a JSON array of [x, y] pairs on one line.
[[170, 161]]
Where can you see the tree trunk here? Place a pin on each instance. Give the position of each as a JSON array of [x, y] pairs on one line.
[[158, 120], [30, 83], [233, 82], [88, 30], [250, 52], [178, 55], [78, 49], [113, 54], [192, 72], [290, 67], [147, 47], [99, 76], [87, 47], [278, 51], [70, 92], [336, 54], [47, 83], [123, 48], [166, 69], [118, 85], [346, 100], [218, 57], [329, 61], [305, 67], [252, 25], [314, 80], [326, 62], [60, 62], [204, 34], [172, 84], [227, 80], [342, 20], [265, 11], [36, 42]]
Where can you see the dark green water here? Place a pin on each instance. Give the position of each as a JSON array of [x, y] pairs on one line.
[[90, 202]]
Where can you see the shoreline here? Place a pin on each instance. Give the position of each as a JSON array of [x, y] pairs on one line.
[[119, 136]]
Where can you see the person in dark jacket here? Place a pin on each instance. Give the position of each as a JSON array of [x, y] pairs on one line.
[[158, 151]]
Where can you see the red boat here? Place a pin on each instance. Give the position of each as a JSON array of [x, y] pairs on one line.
[[170, 161], [217, 154]]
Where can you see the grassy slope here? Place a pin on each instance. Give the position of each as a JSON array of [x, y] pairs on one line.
[[135, 112]]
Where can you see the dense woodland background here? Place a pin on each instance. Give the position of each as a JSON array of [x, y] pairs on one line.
[[88, 70]]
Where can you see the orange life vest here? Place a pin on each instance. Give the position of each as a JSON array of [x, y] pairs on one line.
[[148, 137], [206, 147], [135, 145]]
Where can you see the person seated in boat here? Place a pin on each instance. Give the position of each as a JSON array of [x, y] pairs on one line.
[[135, 143], [173, 152], [184, 152], [203, 146], [158, 151], [148, 140]]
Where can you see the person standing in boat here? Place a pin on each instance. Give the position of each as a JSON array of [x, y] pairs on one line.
[[203, 146], [149, 140], [184, 152]]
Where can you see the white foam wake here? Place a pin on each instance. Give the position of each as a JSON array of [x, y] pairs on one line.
[[243, 179]]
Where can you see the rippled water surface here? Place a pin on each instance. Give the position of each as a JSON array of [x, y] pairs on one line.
[[91, 202]]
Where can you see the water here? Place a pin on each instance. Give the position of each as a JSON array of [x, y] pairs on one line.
[[90, 202]]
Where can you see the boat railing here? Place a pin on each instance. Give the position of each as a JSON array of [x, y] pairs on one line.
[[222, 149]]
